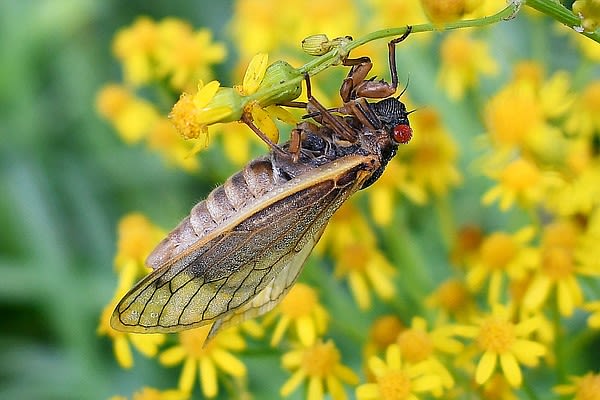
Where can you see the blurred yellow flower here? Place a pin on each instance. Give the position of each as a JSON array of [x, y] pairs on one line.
[[505, 342], [131, 116], [502, 255], [205, 360], [396, 379], [463, 60], [301, 309], [586, 387], [320, 366], [585, 121]]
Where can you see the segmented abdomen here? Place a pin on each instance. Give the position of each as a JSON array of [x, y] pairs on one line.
[[239, 191]]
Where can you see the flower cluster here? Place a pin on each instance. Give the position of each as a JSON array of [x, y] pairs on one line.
[[469, 270]]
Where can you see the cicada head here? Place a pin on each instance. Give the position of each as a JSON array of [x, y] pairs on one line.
[[395, 130]]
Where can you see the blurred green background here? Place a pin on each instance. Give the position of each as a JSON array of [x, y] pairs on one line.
[[66, 179]]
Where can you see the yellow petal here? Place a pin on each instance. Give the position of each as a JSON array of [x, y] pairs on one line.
[[208, 377], [511, 369], [485, 367], [264, 122], [255, 73]]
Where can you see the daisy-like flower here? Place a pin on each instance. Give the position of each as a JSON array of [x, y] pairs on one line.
[[464, 59], [419, 344], [520, 181], [252, 102], [301, 311], [383, 332], [365, 267], [184, 56], [320, 366], [586, 387], [148, 393], [396, 379], [131, 116], [558, 270], [501, 256], [504, 342], [453, 299], [147, 344], [205, 360], [135, 47]]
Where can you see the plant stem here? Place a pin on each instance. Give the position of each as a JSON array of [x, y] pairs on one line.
[[561, 14]]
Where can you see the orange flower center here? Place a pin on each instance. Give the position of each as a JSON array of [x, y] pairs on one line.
[[321, 359], [394, 385], [557, 263], [496, 335], [498, 250], [520, 175], [415, 345], [301, 301]]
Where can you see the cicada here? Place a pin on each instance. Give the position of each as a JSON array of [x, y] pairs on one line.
[[241, 249]]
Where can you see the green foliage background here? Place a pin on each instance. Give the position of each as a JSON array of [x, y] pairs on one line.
[[65, 180]]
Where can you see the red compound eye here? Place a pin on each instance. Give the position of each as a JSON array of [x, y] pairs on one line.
[[402, 133]]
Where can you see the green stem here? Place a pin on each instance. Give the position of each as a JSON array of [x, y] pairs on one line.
[[335, 57], [561, 14]]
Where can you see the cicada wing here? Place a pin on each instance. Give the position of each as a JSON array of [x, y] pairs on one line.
[[271, 295], [229, 268]]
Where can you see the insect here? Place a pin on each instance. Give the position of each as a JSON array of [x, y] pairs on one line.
[[241, 249]]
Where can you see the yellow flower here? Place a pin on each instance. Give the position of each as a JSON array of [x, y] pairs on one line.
[[135, 47], [131, 116], [417, 344], [184, 55], [383, 332], [364, 266], [147, 344], [205, 360], [585, 120], [520, 181], [505, 342], [518, 116], [463, 60], [175, 150], [431, 157], [270, 25], [558, 270], [136, 237], [301, 309], [320, 366], [453, 298], [148, 393], [398, 380], [347, 226], [502, 255], [586, 387], [448, 11]]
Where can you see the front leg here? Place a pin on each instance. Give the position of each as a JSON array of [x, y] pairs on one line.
[[356, 85]]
